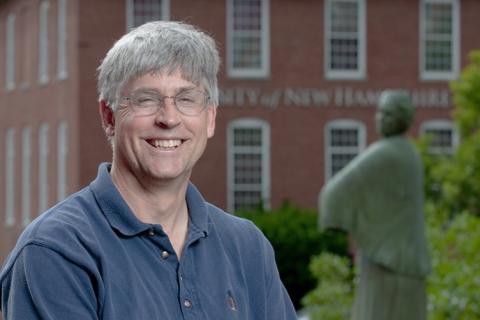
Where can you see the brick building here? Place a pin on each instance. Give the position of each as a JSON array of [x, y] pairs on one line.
[[299, 82]]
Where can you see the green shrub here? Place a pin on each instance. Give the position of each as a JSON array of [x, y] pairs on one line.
[[332, 299], [453, 286], [294, 234]]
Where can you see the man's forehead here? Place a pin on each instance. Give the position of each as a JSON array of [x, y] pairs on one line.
[[162, 81]]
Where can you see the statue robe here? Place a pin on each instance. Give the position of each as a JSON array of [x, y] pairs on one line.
[[378, 199]]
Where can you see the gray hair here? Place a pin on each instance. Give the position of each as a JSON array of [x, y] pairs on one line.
[[159, 47]]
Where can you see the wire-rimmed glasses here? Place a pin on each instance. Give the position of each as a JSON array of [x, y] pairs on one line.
[[148, 102]]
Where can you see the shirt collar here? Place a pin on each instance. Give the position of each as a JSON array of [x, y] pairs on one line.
[[116, 210], [121, 218], [198, 212]]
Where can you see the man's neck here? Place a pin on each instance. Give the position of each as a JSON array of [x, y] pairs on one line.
[[161, 203]]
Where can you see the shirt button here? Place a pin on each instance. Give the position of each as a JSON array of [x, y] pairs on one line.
[[151, 232], [187, 303], [165, 254]]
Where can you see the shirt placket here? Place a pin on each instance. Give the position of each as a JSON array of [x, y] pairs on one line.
[[185, 271], [168, 256], [188, 297]]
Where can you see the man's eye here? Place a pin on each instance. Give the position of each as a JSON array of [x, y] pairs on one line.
[[145, 99], [187, 99]]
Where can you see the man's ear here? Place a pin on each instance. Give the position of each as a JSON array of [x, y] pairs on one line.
[[108, 118], [211, 119]]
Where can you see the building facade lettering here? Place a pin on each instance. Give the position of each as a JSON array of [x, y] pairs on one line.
[[341, 97]]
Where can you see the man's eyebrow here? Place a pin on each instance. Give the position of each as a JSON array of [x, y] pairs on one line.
[[186, 88], [176, 90]]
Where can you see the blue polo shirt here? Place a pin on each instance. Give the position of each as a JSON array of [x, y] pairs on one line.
[[89, 257]]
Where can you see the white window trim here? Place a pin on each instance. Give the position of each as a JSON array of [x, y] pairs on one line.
[[254, 73], [43, 153], [342, 124], [10, 53], [43, 42], [441, 124], [359, 74], [436, 75], [10, 177], [62, 159], [265, 150], [62, 32], [26, 176], [130, 12]]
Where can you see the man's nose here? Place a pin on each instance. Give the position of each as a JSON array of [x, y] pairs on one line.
[[168, 114]]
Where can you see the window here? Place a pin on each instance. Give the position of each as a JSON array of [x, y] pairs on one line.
[[10, 53], [248, 164], [141, 11], [10, 177], [442, 135], [24, 53], [345, 39], [248, 43], [43, 43], [344, 139], [62, 31], [26, 176], [62, 158], [43, 168], [439, 39]]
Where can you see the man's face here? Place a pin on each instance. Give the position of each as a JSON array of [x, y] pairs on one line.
[[165, 145]]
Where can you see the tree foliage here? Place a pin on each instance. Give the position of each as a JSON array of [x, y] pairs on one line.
[[453, 182], [453, 285], [466, 97], [452, 188]]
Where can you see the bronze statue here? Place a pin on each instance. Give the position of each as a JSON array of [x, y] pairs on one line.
[[378, 199]]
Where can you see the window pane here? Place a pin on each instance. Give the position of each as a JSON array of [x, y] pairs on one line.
[[247, 137], [248, 175], [10, 53], [440, 137], [439, 18], [341, 160], [247, 200], [438, 55], [344, 35], [344, 17], [344, 137], [146, 10], [10, 177], [247, 32], [43, 150], [62, 40], [26, 176], [43, 42], [438, 37], [247, 51], [248, 169], [62, 159]]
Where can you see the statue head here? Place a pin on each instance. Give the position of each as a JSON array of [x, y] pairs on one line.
[[394, 113]]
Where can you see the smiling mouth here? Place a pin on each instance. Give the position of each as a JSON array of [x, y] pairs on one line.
[[165, 144]]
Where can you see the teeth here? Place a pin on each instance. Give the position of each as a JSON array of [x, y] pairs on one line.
[[166, 143]]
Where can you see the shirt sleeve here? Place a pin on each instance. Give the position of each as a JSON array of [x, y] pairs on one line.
[[43, 284], [278, 305]]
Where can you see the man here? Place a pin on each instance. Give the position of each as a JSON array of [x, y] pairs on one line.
[[140, 242], [378, 199]]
